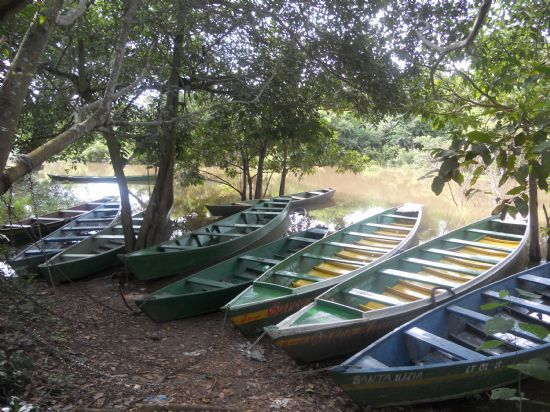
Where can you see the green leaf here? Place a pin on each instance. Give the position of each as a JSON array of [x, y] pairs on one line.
[[498, 324], [492, 305], [502, 158], [448, 166], [521, 206], [543, 69], [503, 179], [538, 330], [521, 174], [480, 137], [458, 177], [504, 293], [516, 190], [528, 295], [537, 367], [490, 344], [437, 185], [476, 174]]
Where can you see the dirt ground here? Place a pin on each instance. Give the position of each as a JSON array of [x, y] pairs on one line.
[[79, 346]]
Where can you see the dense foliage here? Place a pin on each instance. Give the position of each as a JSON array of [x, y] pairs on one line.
[[246, 86]]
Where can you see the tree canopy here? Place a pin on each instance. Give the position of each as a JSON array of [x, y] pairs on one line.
[[245, 86]]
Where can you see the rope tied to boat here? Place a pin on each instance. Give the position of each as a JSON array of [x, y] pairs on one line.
[[433, 296]]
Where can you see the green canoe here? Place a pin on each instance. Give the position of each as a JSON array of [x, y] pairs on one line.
[[296, 281], [308, 199], [89, 256], [73, 232], [101, 179], [209, 289], [378, 299], [217, 241], [447, 353], [34, 228]]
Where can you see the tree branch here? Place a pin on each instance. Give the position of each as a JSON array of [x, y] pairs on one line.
[[482, 13], [70, 16]]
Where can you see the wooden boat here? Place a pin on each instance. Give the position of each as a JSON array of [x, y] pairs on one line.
[[209, 289], [302, 199], [101, 179], [212, 243], [445, 353], [73, 232], [344, 319], [91, 255], [296, 281], [34, 228]]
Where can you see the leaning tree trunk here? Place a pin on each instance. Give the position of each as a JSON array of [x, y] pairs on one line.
[[534, 246], [34, 159], [260, 177], [156, 223], [113, 145], [16, 83]]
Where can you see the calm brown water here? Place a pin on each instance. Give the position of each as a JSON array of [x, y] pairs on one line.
[[356, 196]]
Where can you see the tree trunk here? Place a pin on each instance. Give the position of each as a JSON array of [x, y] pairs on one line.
[[246, 173], [534, 246], [259, 178], [282, 185], [156, 223], [284, 169], [16, 84], [126, 208]]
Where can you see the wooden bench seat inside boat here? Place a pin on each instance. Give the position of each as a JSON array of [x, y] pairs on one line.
[[444, 344]]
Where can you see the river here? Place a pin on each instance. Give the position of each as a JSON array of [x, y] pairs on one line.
[[356, 196]]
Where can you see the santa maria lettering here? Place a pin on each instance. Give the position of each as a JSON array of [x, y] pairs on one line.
[[386, 378]]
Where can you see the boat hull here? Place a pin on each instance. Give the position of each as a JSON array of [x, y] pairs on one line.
[[340, 336], [92, 255], [101, 179], [383, 374], [157, 262], [68, 235], [332, 342], [173, 308], [35, 228], [252, 320], [404, 387], [231, 208], [297, 200], [269, 303], [210, 289]]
